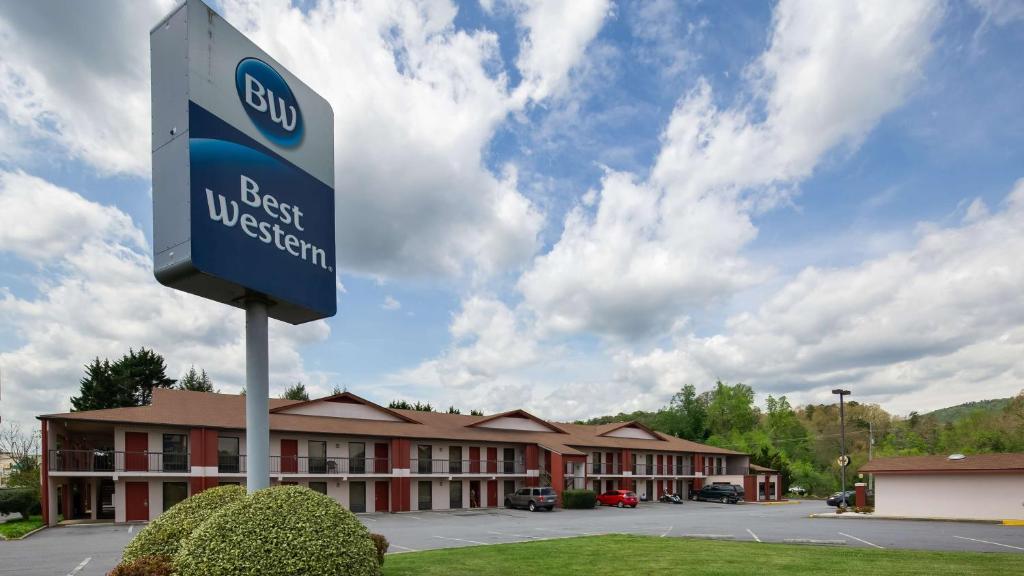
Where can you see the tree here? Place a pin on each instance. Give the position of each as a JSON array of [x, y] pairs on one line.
[[128, 382], [692, 414], [731, 408], [23, 448], [400, 405], [476, 412], [296, 392], [196, 381], [338, 390], [453, 410]]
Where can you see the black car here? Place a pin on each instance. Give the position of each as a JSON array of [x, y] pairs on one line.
[[724, 493], [838, 499]]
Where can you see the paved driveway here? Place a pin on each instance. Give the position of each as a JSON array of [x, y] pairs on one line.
[[61, 551]]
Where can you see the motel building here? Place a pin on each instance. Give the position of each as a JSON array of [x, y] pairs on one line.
[[131, 464]]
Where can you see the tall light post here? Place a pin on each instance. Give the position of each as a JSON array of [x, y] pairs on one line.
[[843, 458]]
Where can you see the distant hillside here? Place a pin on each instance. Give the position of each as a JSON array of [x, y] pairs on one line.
[[954, 413]]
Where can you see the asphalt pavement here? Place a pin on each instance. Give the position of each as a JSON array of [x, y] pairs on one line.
[[92, 550]]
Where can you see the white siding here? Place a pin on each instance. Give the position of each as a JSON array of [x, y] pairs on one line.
[[631, 432], [968, 496], [342, 410], [515, 423]]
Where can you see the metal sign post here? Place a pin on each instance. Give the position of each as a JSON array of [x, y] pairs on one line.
[[257, 385], [243, 191]]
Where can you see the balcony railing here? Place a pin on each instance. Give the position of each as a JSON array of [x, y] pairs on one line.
[[715, 470], [231, 463], [116, 461], [328, 465], [448, 467], [605, 468]]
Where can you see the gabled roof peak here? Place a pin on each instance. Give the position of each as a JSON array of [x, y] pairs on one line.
[[517, 413], [342, 398]]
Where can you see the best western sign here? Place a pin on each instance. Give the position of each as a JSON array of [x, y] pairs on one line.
[[243, 171]]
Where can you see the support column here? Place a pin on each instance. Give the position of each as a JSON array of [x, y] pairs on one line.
[[257, 390], [626, 461], [861, 497], [532, 465], [45, 477], [401, 484], [557, 476], [203, 461]]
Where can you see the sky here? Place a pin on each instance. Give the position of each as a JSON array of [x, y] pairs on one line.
[[574, 208]]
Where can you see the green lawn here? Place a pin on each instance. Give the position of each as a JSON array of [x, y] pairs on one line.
[[18, 528], [620, 554]]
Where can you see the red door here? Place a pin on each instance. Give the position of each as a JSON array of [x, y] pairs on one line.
[[135, 446], [474, 459], [380, 459], [136, 501], [492, 493], [380, 500], [492, 460], [289, 456]]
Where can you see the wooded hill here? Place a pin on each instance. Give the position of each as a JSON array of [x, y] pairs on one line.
[[803, 442]]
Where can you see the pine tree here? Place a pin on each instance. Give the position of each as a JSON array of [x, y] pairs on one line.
[[296, 392], [196, 381], [127, 382]]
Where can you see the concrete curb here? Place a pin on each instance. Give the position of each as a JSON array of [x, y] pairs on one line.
[[856, 516], [23, 536], [776, 503]]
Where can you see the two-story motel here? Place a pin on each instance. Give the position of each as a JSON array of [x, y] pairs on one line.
[[129, 464]]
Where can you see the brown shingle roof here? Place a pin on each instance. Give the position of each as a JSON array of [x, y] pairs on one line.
[[972, 463], [227, 411]]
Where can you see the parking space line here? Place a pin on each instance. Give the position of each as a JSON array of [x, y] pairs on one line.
[[463, 540], [407, 549], [415, 518], [751, 532], [512, 535], [988, 542], [130, 528], [861, 540], [667, 531], [79, 567]]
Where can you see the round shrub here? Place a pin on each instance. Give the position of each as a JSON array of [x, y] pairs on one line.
[[163, 535], [382, 545], [145, 566], [21, 500], [283, 530], [579, 499]]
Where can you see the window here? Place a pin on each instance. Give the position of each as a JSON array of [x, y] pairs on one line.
[[455, 494], [509, 455], [175, 453], [424, 453], [509, 487], [546, 491], [357, 496], [357, 457], [523, 492], [317, 457], [228, 460], [174, 492], [426, 491], [455, 460], [596, 456], [320, 487]]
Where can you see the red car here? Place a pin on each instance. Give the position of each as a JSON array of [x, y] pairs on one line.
[[620, 498]]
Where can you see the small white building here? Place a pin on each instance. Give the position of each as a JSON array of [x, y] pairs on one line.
[[976, 487]]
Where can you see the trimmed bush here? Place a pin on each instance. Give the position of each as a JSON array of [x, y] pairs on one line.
[[579, 499], [145, 566], [283, 530], [20, 500], [163, 536], [382, 545]]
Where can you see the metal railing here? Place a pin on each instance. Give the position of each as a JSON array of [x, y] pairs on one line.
[[231, 463], [715, 470], [605, 468], [328, 465], [447, 467], [117, 461]]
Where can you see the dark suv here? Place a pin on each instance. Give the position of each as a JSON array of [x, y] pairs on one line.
[[724, 493], [532, 499]]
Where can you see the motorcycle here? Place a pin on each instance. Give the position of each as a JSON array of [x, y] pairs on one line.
[[671, 499]]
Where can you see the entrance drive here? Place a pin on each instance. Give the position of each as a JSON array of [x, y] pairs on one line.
[[136, 501]]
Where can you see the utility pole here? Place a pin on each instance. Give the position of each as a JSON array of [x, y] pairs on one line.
[[843, 458]]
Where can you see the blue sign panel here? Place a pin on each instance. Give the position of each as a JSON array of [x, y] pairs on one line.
[[269, 102], [257, 220]]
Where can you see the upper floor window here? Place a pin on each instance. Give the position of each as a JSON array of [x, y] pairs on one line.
[[175, 453]]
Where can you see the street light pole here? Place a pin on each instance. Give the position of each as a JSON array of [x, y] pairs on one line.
[[843, 458]]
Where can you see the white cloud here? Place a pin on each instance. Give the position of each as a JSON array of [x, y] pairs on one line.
[[391, 304], [1002, 12], [97, 296], [943, 319], [654, 250], [557, 34], [77, 74]]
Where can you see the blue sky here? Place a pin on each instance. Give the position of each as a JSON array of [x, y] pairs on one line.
[[573, 210]]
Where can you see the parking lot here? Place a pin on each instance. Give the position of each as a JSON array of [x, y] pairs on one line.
[[63, 550]]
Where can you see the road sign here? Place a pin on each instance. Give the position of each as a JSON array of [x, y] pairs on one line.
[[243, 171], [843, 460]]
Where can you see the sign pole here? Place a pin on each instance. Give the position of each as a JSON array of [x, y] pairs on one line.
[[257, 386]]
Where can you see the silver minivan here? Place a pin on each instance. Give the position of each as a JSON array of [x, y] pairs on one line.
[[532, 499]]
